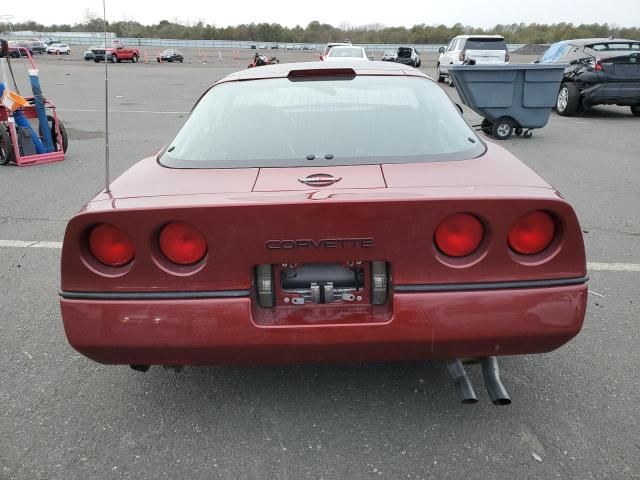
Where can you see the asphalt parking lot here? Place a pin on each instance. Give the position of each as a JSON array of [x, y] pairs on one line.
[[575, 412]]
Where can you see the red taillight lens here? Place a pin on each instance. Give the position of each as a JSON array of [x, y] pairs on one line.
[[110, 245], [598, 67], [459, 235], [532, 233], [182, 244]]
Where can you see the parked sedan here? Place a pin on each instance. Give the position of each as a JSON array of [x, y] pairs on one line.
[[362, 219], [170, 55], [600, 71]]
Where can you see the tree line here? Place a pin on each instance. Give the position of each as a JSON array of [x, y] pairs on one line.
[[316, 32]]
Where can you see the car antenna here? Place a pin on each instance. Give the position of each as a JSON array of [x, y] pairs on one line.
[[106, 101]]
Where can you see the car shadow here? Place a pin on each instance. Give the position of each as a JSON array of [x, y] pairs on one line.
[[326, 387], [607, 112]]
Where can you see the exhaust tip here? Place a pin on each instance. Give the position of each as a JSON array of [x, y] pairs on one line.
[[463, 385], [493, 383]]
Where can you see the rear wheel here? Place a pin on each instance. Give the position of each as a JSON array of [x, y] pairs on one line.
[[134, 59], [635, 109], [502, 128], [6, 147], [58, 142], [440, 77], [114, 59], [568, 101]]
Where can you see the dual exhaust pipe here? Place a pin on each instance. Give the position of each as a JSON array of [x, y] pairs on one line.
[[466, 392], [492, 382]]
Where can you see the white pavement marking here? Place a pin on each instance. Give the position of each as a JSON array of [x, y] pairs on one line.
[[26, 244], [152, 112], [614, 267]]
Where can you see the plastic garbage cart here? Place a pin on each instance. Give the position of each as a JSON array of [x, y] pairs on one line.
[[512, 98]]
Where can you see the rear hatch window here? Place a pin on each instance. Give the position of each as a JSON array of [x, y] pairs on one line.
[[404, 52], [485, 44], [354, 121], [615, 47]]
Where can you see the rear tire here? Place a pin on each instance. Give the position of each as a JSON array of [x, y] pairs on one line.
[[64, 141], [114, 59], [6, 147], [502, 128], [134, 59], [440, 77], [635, 109], [568, 101]]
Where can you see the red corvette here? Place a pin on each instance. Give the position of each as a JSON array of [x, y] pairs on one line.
[[306, 213]]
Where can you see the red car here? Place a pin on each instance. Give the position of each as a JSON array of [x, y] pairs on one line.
[[307, 213]]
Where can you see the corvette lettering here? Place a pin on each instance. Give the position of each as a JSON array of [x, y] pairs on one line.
[[364, 242]]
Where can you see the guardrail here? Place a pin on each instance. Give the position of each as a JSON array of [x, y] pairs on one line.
[[182, 43]]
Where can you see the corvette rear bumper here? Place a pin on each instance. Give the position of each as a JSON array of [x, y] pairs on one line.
[[415, 326]]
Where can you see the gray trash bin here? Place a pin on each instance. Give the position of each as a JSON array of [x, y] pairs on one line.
[[510, 97]]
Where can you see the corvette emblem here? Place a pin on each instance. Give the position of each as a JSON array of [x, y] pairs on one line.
[[319, 180]]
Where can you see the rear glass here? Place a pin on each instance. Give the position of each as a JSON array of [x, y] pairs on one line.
[[346, 52], [555, 52], [485, 44], [351, 121], [617, 47], [404, 52]]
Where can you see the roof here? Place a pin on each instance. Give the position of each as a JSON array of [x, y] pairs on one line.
[[479, 36], [585, 41], [360, 66]]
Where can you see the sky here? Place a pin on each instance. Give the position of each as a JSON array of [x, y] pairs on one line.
[[336, 12]]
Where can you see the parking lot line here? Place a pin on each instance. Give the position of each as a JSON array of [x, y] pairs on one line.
[[592, 266], [614, 267], [29, 244], [98, 110]]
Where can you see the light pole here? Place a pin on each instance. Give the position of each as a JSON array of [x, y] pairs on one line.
[[8, 19]]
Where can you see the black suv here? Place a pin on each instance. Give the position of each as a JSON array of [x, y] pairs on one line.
[[600, 71]]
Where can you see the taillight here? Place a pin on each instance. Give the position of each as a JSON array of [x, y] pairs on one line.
[[461, 56], [598, 67], [532, 233], [110, 245], [182, 244], [459, 235]]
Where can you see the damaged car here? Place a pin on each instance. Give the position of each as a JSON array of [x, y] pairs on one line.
[[600, 71]]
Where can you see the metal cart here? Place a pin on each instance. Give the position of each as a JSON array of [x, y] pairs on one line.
[[511, 98], [18, 138]]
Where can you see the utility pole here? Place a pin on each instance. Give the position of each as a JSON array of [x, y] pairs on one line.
[[8, 19]]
